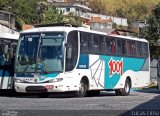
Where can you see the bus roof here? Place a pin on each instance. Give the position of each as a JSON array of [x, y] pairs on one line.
[[9, 36], [68, 29]]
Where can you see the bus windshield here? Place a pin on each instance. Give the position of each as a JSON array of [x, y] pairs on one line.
[[40, 52]]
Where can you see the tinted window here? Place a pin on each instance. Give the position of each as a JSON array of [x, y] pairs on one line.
[[84, 42], [145, 49], [124, 47], [95, 44], [139, 49], [72, 50], [113, 46], [102, 44], [108, 45], [119, 46]]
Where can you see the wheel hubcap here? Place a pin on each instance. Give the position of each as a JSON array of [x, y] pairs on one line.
[[81, 89], [127, 87]]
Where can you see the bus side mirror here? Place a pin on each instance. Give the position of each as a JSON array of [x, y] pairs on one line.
[[6, 49], [69, 50]]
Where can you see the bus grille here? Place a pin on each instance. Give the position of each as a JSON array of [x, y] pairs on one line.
[[35, 89]]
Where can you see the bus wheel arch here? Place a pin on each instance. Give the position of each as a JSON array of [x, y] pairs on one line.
[[127, 87], [83, 87]]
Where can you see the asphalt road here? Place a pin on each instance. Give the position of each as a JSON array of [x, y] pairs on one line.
[[138, 103]]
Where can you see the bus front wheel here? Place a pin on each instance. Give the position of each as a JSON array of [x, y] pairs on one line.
[[82, 89]]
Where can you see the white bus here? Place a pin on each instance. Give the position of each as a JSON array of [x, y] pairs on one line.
[[79, 60], [8, 43]]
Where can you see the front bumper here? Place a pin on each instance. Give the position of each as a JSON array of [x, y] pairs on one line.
[[44, 87]]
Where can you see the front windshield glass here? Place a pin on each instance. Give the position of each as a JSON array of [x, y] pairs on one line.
[[40, 52]]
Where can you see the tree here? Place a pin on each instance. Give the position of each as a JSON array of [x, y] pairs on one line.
[[25, 11], [73, 19], [120, 13], [36, 12], [5, 4], [52, 15], [97, 6], [152, 31]]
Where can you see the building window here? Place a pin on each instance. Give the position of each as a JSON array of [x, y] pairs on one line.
[[68, 9]]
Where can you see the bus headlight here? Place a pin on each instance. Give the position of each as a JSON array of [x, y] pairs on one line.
[[18, 80], [55, 80]]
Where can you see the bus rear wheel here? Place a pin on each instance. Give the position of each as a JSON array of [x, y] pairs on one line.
[[82, 89], [126, 90]]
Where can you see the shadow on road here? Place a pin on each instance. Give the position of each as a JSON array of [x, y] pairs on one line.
[[150, 108], [50, 95]]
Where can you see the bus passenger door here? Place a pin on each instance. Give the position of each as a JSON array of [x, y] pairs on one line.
[[6, 64]]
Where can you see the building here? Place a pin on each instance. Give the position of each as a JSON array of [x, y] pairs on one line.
[[104, 21], [94, 20], [76, 9], [7, 19], [7, 22]]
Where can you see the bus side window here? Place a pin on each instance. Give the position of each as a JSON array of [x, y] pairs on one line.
[[128, 48], [139, 49], [108, 45], [133, 48], [102, 40], [119, 46], [89, 38], [145, 49], [95, 44], [84, 42], [124, 47], [113, 45]]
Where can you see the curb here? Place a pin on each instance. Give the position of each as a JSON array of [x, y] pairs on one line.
[[146, 90]]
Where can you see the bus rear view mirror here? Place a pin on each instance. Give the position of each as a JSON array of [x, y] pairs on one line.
[[6, 49], [69, 50]]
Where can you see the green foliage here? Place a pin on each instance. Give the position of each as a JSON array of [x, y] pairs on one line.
[[52, 15], [131, 9], [73, 19], [25, 11], [97, 6], [5, 4], [114, 26], [36, 12], [152, 31]]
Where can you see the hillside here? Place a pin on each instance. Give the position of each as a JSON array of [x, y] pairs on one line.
[[131, 9]]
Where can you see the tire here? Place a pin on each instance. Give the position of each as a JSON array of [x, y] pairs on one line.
[[82, 89], [126, 90], [93, 93]]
